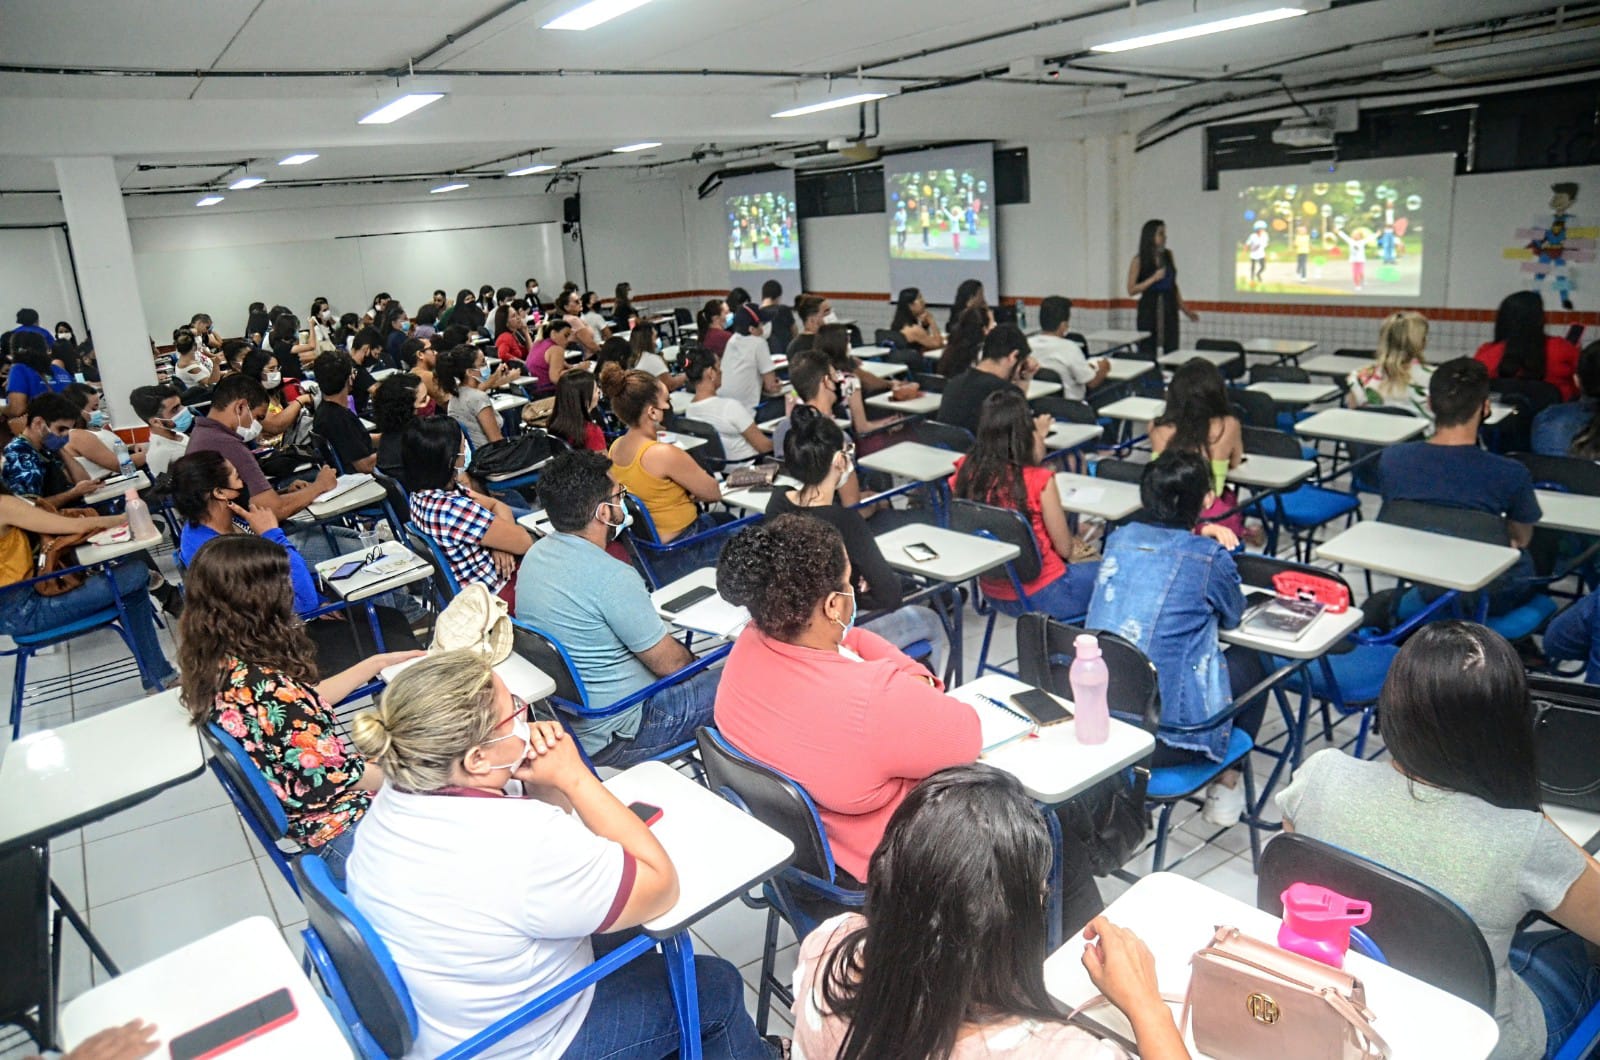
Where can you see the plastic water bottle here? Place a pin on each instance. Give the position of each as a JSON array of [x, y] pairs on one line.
[[140, 525], [124, 458], [1089, 677], [1317, 922]]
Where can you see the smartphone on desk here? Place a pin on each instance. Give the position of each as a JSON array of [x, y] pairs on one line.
[[345, 570], [233, 1029], [1041, 706], [645, 812], [921, 553], [689, 599]]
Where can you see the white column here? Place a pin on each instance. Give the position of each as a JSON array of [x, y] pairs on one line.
[[97, 225]]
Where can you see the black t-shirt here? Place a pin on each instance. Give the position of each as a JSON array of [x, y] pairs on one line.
[[963, 397], [803, 341], [866, 560], [340, 428], [361, 391], [781, 317], [391, 454], [288, 361]]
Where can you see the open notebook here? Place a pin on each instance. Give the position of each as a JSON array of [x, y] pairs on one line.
[[998, 724], [344, 484]]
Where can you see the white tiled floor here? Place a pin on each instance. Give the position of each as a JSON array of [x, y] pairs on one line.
[[183, 865]]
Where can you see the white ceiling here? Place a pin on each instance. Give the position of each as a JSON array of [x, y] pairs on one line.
[[203, 116]]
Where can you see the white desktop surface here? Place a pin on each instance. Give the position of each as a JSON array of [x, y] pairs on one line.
[[1419, 555], [364, 584], [1562, 511], [912, 460], [1326, 630], [1336, 365], [883, 369], [960, 556], [1184, 356], [1038, 388], [1136, 409], [1271, 472], [1101, 497], [1125, 368], [116, 486], [1064, 435], [1296, 393], [924, 404], [363, 495], [1116, 336], [1366, 428], [695, 579], [87, 553], [1279, 347]]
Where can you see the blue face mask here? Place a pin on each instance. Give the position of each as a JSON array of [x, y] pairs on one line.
[[727, 320], [97, 419], [616, 528], [183, 420], [485, 372], [54, 443], [845, 626], [405, 325]]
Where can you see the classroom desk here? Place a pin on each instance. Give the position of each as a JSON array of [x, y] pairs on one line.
[[1126, 368], [1063, 436], [1562, 511], [1296, 394], [362, 495], [1581, 826], [1283, 349], [1038, 388], [1363, 428], [924, 404], [755, 499], [1419, 556], [523, 679], [1117, 338], [88, 555], [380, 374], [1335, 365], [1134, 409], [1175, 916], [768, 426], [1102, 498], [682, 441], [883, 369], [1271, 472], [364, 584], [1183, 356], [721, 619], [537, 522], [912, 460], [504, 402], [210, 977], [116, 486], [1497, 413]]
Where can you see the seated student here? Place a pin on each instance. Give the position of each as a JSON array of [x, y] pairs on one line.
[[249, 666], [1005, 364], [467, 377], [362, 384], [1063, 356], [778, 317], [713, 320], [1573, 428], [1575, 634], [230, 426], [206, 492], [833, 342], [420, 357], [644, 342], [570, 306], [491, 856], [91, 450], [976, 940], [31, 374], [736, 428], [963, 343], [195, 366], [818, 384], [811, 311], [817, 454], [478, 534], [232, 354], [334, 422], [546, 361], [623, 315], [1399, 372], [1450, 470], [1459, 724], [913, 323], [399, 399], [289, 406], [599, 609], [1521, 349], [575, 417], [169, 420], [1168, 588], [1005, 469], [1198, 419], [512, 339], [31, 465], [746, 363], [662, 477], [879, 723]]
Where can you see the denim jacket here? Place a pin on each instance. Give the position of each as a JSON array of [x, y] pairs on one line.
[[1168, 591]]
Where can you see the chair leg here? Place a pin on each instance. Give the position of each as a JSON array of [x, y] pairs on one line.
[[19, 685], [769, 957], [988, 634], [679, 952], [1163, 820], [1254, 813]]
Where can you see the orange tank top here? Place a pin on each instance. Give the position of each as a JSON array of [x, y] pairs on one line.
[[669, 504], [16, 556]]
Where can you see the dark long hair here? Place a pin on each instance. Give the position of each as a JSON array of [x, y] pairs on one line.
[[451, 367], [394, 403], [431, 444], [964, 293], [571, 417], [194, 477], [903, 317], [811, 444], [1003, 446], [1195, 397], [239, 606], [1586, 444], [955, 912], [1456, 715], [962, 342], [1149, 259], [1519, 323]]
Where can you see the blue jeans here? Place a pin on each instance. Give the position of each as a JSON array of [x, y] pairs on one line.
[[336, 851], [1558, 969], [907, 625], [1066, 598], [670, 566], [25, 611], [631, 1016], [670, 718]]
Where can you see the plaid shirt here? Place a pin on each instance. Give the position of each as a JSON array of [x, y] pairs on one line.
[[458, 523]]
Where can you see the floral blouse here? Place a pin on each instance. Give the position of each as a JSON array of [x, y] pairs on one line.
[[288, 732], [1366, 387]]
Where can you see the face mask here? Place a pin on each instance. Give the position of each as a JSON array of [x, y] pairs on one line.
[[616, 528], [271, 379], [727, 320], [405, 325], [845, 626], [183, 420], [849, 469], [533, 290], [519, 731], [831, 318], [63, 336], [53, 443], [485, 372], [250, 433], [660, 344], [97, 419]]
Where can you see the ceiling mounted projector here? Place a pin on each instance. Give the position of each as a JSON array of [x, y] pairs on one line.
[[1303, 132]]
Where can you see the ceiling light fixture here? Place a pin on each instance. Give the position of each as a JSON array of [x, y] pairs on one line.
[[1221, 20], [528, 171], [246, 182], [209, 200], [592, 14], [831, 104], [296, 160], [441, 189], [394, 110], [628, 149]]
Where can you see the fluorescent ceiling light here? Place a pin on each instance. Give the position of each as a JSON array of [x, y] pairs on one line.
[[1219, 21], [246, 182], [590, 15], [628, 149], [209, 200], [296, 160], [409, 103], [831, 104], [541, 167], [441, 189]]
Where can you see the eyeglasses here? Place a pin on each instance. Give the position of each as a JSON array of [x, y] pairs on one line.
[[519, 709]]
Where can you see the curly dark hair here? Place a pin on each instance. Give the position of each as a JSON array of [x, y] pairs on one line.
[[239, 607], [394, 403], [781, 569]]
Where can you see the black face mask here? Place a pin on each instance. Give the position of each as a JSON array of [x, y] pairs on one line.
[[242, 499]]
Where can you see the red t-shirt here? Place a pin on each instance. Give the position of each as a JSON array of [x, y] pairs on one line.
[[1051, 565], [511, 347], [1560, 364]]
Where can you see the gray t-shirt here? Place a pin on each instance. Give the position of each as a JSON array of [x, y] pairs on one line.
[[1498, 865], [464, 408]]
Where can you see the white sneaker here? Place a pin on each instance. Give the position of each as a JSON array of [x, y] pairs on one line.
[[1224, 805]]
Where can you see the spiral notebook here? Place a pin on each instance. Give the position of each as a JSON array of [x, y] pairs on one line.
[[998, 724]]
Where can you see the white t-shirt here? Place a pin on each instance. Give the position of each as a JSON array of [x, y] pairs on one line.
[[595, 321], [745, 360], [652, 363], [1257, 245], [485, 903], [731, 420], [1065, 358], [161, 452]]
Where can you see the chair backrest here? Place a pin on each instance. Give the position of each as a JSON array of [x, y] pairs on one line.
[[1220, 345], [643, 530], [546, 654], [1268, 441], [710, 455], [932, 382], [1046, 648], [1118, 470], [1486, 527], [770, 409], [1347, 352], [423, 543], [682, 317], [1077, 336], [1065, 410], [771, 798], [245, 776], [1259, 570], [365, 968], [1532, 395], [1047, 375], [1566, 730], [942, 435], [1004, 524], [1567, 472], [1278, 373], [26, 985], [1254, 408], [887, 339], [1421, 932]]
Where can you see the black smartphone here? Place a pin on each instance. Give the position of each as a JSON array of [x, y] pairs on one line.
[[645, 812], [347, 569], [920, 552], [1041, 706], [232, 1029], [689, 599]]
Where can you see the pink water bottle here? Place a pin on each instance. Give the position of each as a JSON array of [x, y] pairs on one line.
[[140, 525], [1317, 922], [1088, 677]]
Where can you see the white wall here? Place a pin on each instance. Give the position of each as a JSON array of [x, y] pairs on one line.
[[36, 271]]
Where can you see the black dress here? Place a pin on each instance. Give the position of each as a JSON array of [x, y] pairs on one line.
[[1158, 309]]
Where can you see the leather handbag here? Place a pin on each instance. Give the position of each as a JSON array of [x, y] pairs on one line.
[[56, 552], [475, 620], [1566, 727], [1251, 1000]]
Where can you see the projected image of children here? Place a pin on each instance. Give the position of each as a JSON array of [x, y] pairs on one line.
[[761, 233], [1361, 238], [940, 215]]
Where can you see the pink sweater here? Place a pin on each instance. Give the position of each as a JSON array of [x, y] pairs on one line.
[[857, 736]]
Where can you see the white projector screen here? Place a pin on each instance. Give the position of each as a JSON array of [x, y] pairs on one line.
[[763, 235], [940, 209]]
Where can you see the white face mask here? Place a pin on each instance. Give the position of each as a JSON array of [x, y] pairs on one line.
[[519, 731], [831, 318], [250, 433], [271, 379], [616, 528]]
